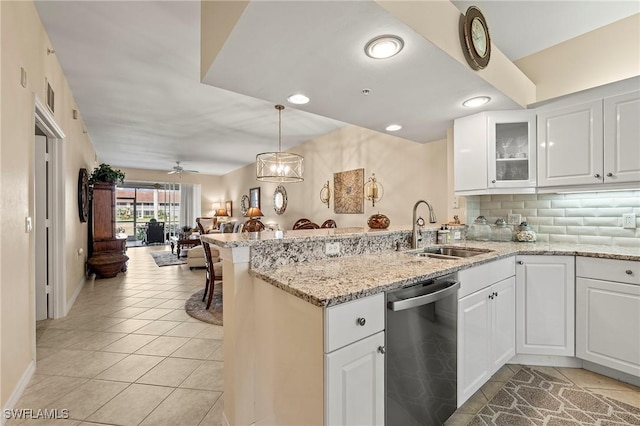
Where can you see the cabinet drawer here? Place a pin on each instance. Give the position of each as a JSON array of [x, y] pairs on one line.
[[623, 271], [481, 276], [342, 322]]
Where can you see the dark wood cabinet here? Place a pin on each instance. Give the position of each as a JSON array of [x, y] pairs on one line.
[[108, 252]]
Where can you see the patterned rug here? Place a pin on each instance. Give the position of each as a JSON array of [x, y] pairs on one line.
[[197, 308], [165, 258], [533, 398]]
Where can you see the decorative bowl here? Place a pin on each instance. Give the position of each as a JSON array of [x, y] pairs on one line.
[[378, 221]]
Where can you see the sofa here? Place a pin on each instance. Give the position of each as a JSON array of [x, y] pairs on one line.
[[196, 259]]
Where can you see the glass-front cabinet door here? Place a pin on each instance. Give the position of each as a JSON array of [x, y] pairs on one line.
[[511, 149]]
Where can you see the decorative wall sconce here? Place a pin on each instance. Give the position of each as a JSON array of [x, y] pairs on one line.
[[373, 190], [325, 194]]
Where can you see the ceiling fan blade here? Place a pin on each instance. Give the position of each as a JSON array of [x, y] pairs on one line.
[[172, 172], [190, 171]]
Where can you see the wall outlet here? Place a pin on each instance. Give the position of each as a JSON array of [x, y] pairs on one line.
[[514, 219], [456, 203], [332, 249], [629, 220]]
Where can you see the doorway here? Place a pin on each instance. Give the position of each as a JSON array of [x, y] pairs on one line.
[[47, 215], [42, 237]]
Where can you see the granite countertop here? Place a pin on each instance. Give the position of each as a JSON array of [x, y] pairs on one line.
[[248, 239], [337, 280]]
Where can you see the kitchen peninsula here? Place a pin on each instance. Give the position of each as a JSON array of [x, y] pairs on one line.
[[278, 292]]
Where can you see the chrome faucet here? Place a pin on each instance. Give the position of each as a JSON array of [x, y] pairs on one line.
[[432, 219]]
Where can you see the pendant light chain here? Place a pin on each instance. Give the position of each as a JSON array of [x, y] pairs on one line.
[[279, 108]]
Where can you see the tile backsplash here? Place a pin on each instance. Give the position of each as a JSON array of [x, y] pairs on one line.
[[584, 218]]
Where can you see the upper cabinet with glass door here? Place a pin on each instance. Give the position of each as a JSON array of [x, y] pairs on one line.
[[495, 152]]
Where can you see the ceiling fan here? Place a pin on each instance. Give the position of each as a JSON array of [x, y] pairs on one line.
[[178, 169]]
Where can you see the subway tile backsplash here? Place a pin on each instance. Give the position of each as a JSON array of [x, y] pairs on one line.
[[583, 218]]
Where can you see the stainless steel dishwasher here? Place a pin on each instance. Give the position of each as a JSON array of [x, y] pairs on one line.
[[421, 352]]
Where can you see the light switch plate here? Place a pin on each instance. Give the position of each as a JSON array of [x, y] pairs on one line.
[[629, 220], [332, 249], [514, 219]]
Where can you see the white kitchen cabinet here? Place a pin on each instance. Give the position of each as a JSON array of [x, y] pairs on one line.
[[608, 313], [355, 383], [589, 143], [622, 138], [494, 152], [354, 362], [486, 324], [545, 310]]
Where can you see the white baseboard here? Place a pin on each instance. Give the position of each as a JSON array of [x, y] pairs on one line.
[[17, 392], [547, 361], [610, 372], [74, 296]]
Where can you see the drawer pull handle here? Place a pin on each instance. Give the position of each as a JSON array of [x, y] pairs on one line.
[[520, 262], [597, 176], [493, 181], [628, 272], [381, 349], [361, 321], [609, 174]]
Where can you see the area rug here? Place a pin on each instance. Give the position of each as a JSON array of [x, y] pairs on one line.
[[198, 309], [166, 258], [533, 398]]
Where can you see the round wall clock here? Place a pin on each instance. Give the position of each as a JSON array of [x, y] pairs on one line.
[[83, 195], [474, 37]]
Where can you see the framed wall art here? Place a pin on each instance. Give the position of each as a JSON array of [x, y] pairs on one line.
[[254, 197], [348, 189], [228, 205]]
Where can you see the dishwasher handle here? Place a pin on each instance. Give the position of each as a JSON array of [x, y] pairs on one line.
[[425, 299]]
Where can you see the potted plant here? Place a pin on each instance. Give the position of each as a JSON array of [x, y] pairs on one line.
[[106, 174], [186, 231]]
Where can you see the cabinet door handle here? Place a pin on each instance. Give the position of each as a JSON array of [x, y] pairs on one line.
[[493, 181], [597, 176], [381, 349], [495, 294], [628, 272], [520, 262], [609, 174], [491, 296], [361, 321]]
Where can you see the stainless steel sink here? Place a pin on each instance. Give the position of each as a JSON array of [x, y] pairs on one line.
[[450, 253]]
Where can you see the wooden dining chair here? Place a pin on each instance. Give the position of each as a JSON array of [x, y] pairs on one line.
[[299, 222], [329, 223], [308, 225], [214, 272]]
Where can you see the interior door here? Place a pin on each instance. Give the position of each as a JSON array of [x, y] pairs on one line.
[[41, 216]]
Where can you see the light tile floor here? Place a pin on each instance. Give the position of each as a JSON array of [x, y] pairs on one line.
[[128, 354]]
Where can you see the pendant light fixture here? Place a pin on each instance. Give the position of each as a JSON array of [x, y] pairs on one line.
[[279, 166]]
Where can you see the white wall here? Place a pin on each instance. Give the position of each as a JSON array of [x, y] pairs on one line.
[[605, 55], [24, 44], [407, 170]]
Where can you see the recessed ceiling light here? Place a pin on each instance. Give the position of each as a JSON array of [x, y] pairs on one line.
[[393, 127], [298, 99], [476, 102], [383, 47]]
